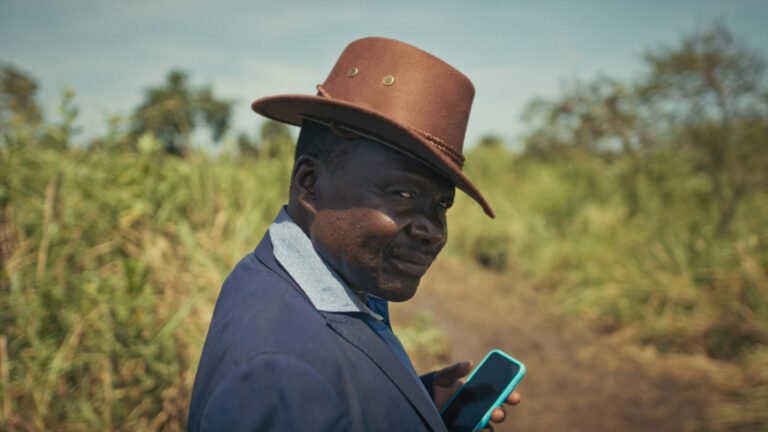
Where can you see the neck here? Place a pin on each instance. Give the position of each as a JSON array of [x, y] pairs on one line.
[[299, 217]]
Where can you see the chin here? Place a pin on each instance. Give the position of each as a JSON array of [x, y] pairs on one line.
[[398, 292]]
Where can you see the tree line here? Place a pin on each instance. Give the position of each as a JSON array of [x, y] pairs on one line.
[[702, 102], [169, 113]]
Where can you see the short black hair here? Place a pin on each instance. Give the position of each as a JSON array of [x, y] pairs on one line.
[[317, 140]]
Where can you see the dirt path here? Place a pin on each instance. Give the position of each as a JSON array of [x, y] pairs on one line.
[[577, 380]]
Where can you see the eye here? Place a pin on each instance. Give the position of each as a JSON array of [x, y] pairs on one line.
[[445, 203], [405, 194]]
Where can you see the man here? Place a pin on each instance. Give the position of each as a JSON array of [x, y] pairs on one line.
[[300, 337]]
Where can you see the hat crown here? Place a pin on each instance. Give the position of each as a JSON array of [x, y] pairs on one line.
[[407, 85]]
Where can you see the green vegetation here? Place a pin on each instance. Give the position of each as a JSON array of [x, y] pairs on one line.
[[637, 206], [423, 340], [111, 263], [171, 112]]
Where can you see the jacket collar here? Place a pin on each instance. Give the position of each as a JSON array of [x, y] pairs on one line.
[[325, 288]]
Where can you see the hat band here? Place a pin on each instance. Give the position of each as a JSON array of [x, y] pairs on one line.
[[439, 144], [348, 132]]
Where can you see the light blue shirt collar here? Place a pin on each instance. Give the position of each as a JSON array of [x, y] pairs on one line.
[[324, 287]]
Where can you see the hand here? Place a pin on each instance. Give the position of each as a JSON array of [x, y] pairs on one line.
[[448, 380]]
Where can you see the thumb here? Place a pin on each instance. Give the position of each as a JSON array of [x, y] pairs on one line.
[[450, 374]]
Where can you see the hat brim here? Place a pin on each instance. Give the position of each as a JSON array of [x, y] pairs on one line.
[[293, 109]]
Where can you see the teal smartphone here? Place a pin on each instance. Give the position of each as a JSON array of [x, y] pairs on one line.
[[487, 387]]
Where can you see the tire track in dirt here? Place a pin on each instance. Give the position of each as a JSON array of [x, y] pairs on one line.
[[577, 380]]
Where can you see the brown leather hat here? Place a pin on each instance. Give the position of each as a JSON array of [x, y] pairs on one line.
[[396, 94]]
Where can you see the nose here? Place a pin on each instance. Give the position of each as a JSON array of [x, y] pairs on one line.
[[430, 229]]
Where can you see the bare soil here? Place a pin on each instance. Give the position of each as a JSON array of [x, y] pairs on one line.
[[577, 380]]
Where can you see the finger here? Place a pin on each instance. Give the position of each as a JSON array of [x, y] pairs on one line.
[[514, 398], [498, 415], [448, 375]]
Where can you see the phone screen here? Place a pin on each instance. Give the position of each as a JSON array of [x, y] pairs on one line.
[[479, 393]]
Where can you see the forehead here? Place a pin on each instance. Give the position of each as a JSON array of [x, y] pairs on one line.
[[373, 160]]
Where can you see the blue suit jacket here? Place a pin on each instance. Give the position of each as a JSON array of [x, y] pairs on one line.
[[271, 361]]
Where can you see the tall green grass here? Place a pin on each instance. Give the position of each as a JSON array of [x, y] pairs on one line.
[[111, 264], [664, 271]]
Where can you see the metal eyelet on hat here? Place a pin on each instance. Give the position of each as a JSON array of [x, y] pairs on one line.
[[388, 80], [352, 71]]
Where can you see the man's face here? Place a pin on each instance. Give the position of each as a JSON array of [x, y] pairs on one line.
[[381, 220]]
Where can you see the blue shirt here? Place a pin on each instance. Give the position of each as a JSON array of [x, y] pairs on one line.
[[325, 288]]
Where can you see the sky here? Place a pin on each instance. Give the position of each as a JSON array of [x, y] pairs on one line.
[[110, 52]]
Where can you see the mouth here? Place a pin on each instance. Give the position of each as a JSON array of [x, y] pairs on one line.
[[411, 263]]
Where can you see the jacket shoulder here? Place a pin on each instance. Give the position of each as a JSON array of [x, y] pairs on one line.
[[258, 304]]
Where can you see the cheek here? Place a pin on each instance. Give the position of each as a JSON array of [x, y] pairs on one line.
[[354, 237]]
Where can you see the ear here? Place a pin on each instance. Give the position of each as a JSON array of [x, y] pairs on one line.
[[304, 183]]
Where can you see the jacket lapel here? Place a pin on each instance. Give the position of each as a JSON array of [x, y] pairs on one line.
[[357, 332]]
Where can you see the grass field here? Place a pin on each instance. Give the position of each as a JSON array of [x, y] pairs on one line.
[[111, 262]]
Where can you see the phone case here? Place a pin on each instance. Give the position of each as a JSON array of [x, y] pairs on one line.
[[504, 395]]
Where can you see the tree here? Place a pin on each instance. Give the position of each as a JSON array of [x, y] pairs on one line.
[[713, 91], [702, 100], [172, 111], [491, 142], [21, 118], [247, 146], [17, 97], [598, 118], [274, 141], [602, 118]]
